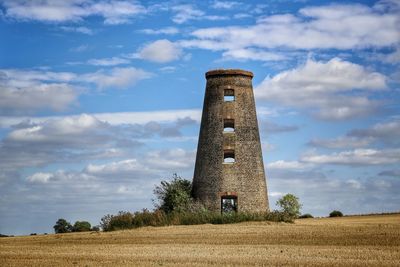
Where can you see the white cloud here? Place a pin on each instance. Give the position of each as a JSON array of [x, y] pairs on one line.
[[174, 159], [341, 142], [383, 133], [81, 29], [33, 142], [392, 58], [116, 77], [40, 177], [108, 61], [167, 30], [188, 12], [26, 91], [322, 87], [335, 26], [185, 13], [252, 54], [113, 12], [117, 118], [386, 132], [331, 26], [287, 165], [225, 4], [160, 51], [357, 157], [115, 168], [57, 130]]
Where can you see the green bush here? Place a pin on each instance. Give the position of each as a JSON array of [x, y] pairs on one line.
[[336, 213], [125, 220], [81, 226], [304, 216], [147, 218]]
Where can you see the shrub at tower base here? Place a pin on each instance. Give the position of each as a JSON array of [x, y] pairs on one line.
[[175, 206]]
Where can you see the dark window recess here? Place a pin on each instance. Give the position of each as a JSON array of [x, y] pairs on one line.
[[229, 204], [229, 95], [229, 125], [229, 156]]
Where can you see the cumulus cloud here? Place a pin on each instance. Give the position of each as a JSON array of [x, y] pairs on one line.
[[116, 118], [332, 26], [160, 51], [288, 165], [27, 91], [35, 142], [75, 130], [335, 26], [81, 29], [225, 4], [252, 54], [324, 88], [382, 133], [108, 61], [116, 77], [356, 157], [113, 12], [184, 13], [40, 177], [385, 132], [167, 30]]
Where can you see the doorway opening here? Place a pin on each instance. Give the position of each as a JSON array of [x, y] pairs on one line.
[[228, 204]]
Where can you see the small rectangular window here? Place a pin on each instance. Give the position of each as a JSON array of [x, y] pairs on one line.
[[229, 95], [229, 125], [229, 156]]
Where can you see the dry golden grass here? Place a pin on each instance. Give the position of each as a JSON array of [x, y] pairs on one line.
[[346, 241]]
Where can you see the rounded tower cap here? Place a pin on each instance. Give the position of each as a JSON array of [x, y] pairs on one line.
[[223, 72]]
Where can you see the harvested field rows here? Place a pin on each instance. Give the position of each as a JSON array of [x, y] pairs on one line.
[[355, 241]]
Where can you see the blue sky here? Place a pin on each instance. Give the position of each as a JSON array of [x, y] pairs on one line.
[[100, 100]]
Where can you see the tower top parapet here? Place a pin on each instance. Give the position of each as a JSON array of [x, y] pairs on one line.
[[221, 72]]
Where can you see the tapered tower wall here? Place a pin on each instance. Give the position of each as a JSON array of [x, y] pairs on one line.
[[245, 178]]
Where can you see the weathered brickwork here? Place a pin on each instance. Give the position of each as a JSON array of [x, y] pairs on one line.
[[245, 178]]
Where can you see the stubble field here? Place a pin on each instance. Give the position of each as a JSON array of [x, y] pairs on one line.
[[346, 241]]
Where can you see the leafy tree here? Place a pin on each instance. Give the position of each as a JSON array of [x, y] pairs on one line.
[[81, 226], [105, 222], [290, 205], [62, 226], [336, 213], [174, 195], [123, 220]]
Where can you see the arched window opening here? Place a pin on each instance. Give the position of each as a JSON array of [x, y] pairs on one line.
[[229, 156], [229, 125], [229, 95]]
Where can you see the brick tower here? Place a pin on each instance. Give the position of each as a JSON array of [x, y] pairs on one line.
[[229, 171]]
